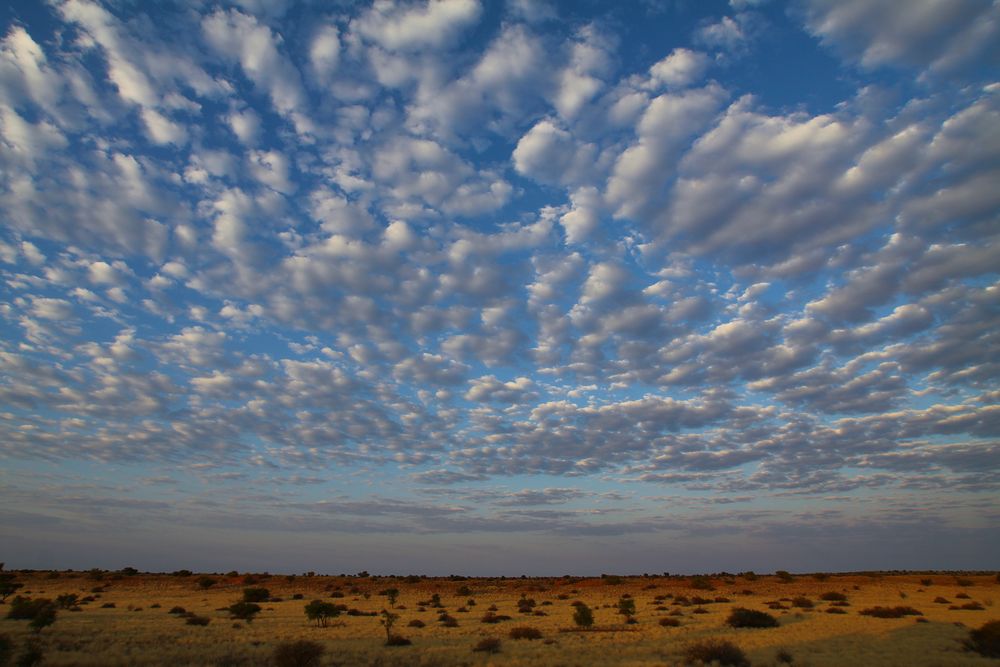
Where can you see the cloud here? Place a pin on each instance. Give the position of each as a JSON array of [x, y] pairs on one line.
[[433, 24]]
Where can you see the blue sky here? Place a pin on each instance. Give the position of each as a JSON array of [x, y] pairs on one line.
[[500, 287]]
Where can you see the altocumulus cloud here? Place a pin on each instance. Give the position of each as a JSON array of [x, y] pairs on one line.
[[483, 280]]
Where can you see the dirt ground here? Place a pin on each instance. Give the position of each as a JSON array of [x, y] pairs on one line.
[[128, 621]]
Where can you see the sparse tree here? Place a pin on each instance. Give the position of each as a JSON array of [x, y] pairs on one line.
[[244, 611], [392, 594], [626, 607], [256, 594], [388, 620], [321, 612]]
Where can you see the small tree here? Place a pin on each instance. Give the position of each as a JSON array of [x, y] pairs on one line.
[[8, 586], [321, 612], [244, 611], [256, 594], [626, 606], [392, 594], [204, 583], [583, 616], [44, 617]]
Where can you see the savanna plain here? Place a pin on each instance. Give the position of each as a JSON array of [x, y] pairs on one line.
[[99, 618]]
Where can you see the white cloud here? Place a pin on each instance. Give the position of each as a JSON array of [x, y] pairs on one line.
[[435, 23], [681, 68]]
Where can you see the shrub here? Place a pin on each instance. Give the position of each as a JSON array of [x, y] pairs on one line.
[[986, 640], [784, 576], [962, 596], [525, 632], [488, 645], [835, 610], [8, 586], [197, 620], [416, 623], [959, 581], [321, 612], [490, 617], [397, 640], [302, 653], [741, 617], [32, 655], [669, 622], [626, 606], [177, 610], [256, 594], [702, 584], [802, 602], [204, 583], [583, 616], [716, 651], [108, 605], [392, 594], [833, 596], [784, 657], [6, 649], [66, 600], [244, 611], [968, 606], [926, 582], [463, 592], [890, 612]]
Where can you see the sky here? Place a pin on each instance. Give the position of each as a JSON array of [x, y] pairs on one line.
[[500, 287]]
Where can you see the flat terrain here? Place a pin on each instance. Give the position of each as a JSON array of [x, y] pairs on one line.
[[128, 621]]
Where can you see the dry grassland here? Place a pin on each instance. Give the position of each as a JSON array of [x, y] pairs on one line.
[[139, 630]]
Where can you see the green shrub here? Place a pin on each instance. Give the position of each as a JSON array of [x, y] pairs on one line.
[[583, 616], [302, 653], [321, 612], [741, 617], [784, 576], [985, 640], [256, 594], [204, 583], [524, 632], [833, 596], [711, 651], [802, 602], [626, 606]]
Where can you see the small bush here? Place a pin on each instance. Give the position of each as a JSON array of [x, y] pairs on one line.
[[204, 583], [397, 640], [244, 611], [783, 657], [833, 596], [32, 655], [67, 600], [702, 584], [835, 610], [968, 606], [177, 610], [959, 581], [256, 594], [890, 612], [784, 576], [926, 582], [524, 632], [986, 640], [716, 651], [416, 623], [741, 617], [490, 617], [583, 616], [669, 622], [487, 645], [302, 653], [802, 602], [6, 649], [197, 620]]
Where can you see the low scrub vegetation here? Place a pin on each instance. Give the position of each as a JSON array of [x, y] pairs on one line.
[[716, 652], [741, 617], [525, 632], [985, 640], [302, 653], [890, 612]]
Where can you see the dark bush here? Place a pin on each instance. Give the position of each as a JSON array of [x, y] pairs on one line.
[[204, 583], [802, 602], [108, 605], [8, 586], [177, 610], [416, 623], [244, 611], [302, 653], [702, 584], [711, 651], [490, 617], [783, 657], [669, 622], [32, 655], [833, 596], [962, 596], [525, 632], [583, 616], [197, 620], [835, 610], [256, 594], [397, 640], [321, 612], [741, 617], [968, 606], [66, 600], [25, 609], [784, 576], [488, 645], [959, 581], [6, 649], [890, 612], [986, 640], [941, 600]]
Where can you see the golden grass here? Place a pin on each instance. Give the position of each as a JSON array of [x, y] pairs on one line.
[[135, 633]]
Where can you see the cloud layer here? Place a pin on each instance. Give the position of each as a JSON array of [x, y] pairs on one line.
[[443, 268]]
